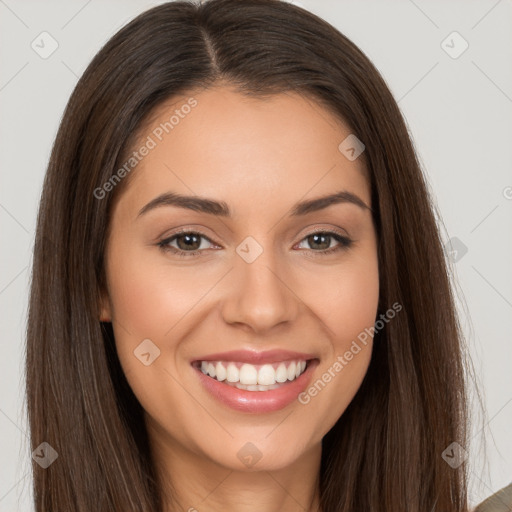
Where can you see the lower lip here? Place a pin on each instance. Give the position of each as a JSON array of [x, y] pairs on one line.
[[258, 401]]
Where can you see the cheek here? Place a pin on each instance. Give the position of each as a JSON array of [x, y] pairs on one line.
[[348, 306], [148, 298], [354, 307], [346, 299]]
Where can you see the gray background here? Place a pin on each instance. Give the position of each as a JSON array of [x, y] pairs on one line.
[[459, 114]]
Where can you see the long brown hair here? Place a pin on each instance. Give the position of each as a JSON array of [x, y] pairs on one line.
[[385, 451]]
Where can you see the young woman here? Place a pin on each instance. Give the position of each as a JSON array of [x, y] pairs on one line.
[[240, 299]]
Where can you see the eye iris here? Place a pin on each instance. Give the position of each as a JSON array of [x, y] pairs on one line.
[[191, 241], [315, 237]]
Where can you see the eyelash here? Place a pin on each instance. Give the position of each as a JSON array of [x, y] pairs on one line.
[[344, 243]]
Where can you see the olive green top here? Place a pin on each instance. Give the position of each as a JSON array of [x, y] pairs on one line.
[[498, 502]]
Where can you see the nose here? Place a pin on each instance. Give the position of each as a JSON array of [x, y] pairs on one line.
[[260, 295]]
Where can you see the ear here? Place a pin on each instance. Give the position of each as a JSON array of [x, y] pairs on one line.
[[105, 309]]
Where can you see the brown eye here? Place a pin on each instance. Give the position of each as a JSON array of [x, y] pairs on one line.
[[321, 242], [188, 243]]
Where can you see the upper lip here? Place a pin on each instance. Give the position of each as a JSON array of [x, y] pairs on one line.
[[254, 357]]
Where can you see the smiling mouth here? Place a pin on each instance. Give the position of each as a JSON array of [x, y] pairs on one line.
[[251, 377]]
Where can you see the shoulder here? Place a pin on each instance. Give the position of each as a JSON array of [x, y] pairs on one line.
[[498, 502]]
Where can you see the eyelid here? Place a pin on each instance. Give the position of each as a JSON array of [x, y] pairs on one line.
[[183, 230], [330, 229], [168, 238]]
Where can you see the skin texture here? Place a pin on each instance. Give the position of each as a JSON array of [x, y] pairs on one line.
[[260, 156]]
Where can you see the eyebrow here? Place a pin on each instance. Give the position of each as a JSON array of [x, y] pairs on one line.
[[220, 208]]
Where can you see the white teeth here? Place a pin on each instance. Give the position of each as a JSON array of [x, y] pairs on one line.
[[232, 373], [281, 373], [220, 372], [253, 378], [266, 375], [291, 371], [255, 387], [248, 374]]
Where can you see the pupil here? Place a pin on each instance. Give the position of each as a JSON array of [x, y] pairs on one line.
[[317, 236], [190, 239]]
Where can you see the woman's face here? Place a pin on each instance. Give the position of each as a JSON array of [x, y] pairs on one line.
[[248, 275]]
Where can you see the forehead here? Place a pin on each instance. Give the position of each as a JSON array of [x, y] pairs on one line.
[[220, 143]]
